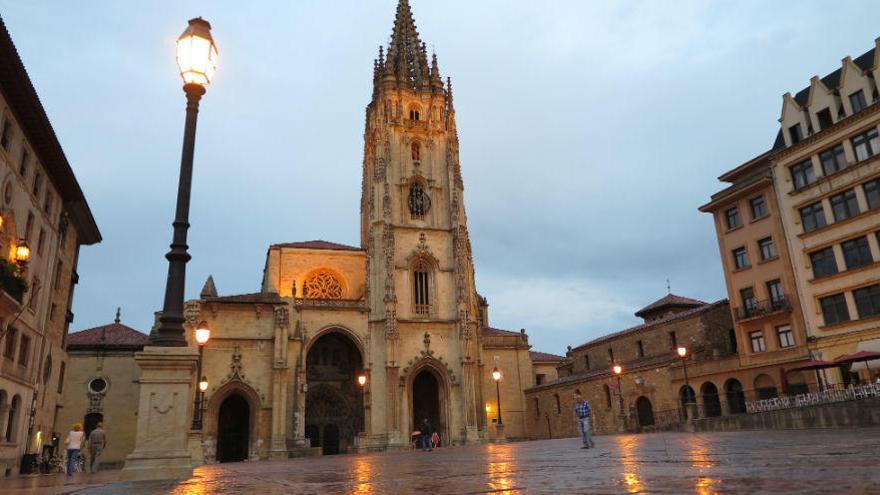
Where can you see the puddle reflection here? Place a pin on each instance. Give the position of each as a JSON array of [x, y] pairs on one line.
[[363, 475], [500, 467], [628, 450]]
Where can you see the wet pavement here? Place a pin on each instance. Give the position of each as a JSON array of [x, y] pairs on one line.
[[805, 461]]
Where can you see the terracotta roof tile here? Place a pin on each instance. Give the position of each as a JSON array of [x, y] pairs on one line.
[[669, 301], [112, 335], [318, 244], [545, 357], [497, 332], [254, 298]]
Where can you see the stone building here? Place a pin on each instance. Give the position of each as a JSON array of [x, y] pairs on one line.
[[42, 208], [401, 309], [102, 385]]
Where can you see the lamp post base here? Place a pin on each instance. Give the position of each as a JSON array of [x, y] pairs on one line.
[[499, 434]]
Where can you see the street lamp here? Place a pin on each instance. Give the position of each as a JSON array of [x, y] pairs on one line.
[[682, 353], [202, 335], [22, 252], [362, 379], [197, 61], [617, 369], [496, 375]]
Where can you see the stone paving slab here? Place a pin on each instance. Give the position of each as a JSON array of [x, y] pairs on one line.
[[803, 461]]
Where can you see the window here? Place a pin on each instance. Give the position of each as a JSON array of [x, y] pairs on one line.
[[795, 133], [857, 100], [757, 340], [419, 201], [732, 218], [47, 203], [6, 135], [786, 337], [24, 351], [740, 258], [834, 309], [41, 241], [29, 226], [23, 164], [824, 263], [587, 362], [38, 184], [47, 370], [56, 282], [748, 300], [759, 208], [867, 301], [673, 340], [844, 205], [731, 337], [607, 390], [866, 145], [768, 250], [413, 114], [61, 371], [872, 193], [9, 349], [813, 217], [641, 348], [611, 354], [856, 253], [421, 288], [416, 151], [803, 174], [824, 118], [34, 291], [52, 310], [321, 285], [537, 408], [558, 404], [539, 378], [774, 290], [833, 160]]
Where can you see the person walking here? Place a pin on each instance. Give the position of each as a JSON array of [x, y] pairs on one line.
[[427, 432], [74, 445], [97, 444], [582, 415]]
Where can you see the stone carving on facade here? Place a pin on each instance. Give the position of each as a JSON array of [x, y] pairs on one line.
[[388, 242], [379, 173], [236, 374], [321, 284], [391, 324], [282, 317], [427, 355], [192, 312]]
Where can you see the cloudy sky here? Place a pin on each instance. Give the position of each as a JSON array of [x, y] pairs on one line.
[[590, 133]]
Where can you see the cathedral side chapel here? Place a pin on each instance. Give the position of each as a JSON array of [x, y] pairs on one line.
[[348, 348]]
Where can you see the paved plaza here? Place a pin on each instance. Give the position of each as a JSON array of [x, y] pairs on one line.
[[803, 461]]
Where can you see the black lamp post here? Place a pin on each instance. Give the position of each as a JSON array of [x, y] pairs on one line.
[[688, 399], [496, 375], [203, 334], [617, 369], [197, 60]]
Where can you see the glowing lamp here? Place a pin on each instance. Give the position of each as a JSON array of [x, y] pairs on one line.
[[203, 333], [682, 351], [617, 369], [203, 384], [496, 375], [362, 380], [22, 252], [197, 53], [1, 221], [488, 408]]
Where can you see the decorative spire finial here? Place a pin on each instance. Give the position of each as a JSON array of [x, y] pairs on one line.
[[118, 311], [668, 287]]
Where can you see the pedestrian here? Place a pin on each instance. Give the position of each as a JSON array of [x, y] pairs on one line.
[[427, 432], [435, 439], [97, 444], [582, 415], [74, 445]]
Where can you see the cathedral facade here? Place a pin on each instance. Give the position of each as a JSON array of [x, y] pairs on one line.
[[351, 348]]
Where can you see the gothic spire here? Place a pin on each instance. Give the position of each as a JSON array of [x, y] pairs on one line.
[[407, 58]]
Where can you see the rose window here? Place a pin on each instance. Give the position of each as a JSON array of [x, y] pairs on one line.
[[322, 285]]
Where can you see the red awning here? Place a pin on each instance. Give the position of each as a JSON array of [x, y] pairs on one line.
[[814, 364], [859, 357]]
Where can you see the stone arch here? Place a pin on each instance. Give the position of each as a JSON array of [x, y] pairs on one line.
[[736, 399], [445, 379], [341, 329], [324, 283], [13, 415], [212, 412], [711, 401], [414, 111], [644, 411], [765, 387]]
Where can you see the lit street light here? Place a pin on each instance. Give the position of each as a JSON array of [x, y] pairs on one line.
[[197, 61], [617, 369], [202, 335], [688, 397], [496, 375]]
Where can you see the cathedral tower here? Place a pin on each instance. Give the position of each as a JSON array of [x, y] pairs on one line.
[[425, 338]]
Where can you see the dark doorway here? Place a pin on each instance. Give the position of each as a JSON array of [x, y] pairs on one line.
[[711, 402], [334, 401], [233, 425], [645, 412], [736, 399], [426, 401], [688, 400], [91, 421]]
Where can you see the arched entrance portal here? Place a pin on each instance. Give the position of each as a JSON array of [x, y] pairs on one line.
[[736, 399], [711, 402], [233, 429], [426, 402], [334, 401], [645, 412]]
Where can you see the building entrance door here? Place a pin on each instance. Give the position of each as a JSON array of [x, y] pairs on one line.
[[426, 403], [233, 425], [645, 412]]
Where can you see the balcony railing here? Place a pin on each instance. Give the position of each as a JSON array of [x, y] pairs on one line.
[[763, 308]]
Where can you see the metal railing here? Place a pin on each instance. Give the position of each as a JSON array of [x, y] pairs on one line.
[[828, 396], [761, 308]]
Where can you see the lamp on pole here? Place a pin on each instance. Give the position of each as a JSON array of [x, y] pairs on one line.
[[202, 335], [496, 375], [197, 60], [617, 369], [682, 353]]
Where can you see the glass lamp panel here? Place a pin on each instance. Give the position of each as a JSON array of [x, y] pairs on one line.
[[196, 59]]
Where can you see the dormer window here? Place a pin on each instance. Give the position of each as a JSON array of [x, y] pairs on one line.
[[857, 100], [824, 118], [795, 133]]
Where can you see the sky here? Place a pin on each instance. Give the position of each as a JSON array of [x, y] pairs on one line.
[[590, 134]]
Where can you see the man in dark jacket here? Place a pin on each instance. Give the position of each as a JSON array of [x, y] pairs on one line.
[[427, 432]]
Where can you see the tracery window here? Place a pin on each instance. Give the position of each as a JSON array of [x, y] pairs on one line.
[[322, 285], [421, 287], [419, 201], [413, 114]]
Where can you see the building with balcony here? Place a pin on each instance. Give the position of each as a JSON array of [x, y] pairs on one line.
[[43, 213]]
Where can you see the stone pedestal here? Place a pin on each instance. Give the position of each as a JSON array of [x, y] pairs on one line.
[[499, 434], [472, 435], [196, 449], [162, 449]]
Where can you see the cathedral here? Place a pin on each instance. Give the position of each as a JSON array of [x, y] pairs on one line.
[[351, 348]]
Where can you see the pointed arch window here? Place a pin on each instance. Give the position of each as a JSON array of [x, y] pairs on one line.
[[419, 201], [414, 114], [421, 271]]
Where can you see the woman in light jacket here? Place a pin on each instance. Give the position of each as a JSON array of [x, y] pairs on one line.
[[74, 444]]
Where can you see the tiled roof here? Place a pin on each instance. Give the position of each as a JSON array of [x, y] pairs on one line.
[[670, 300], [545, 357], [497, 332], [318, 244], [254, 298], [677, 316], [112, 335]]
